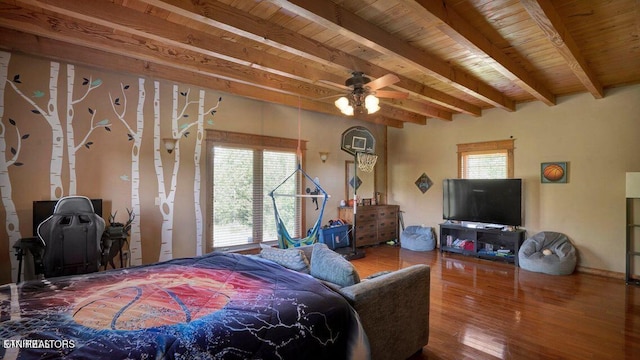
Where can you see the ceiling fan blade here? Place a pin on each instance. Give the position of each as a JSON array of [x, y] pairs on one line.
[[382, 81], [391, 94]]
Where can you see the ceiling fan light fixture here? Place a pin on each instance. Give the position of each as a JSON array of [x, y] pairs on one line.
[[348, 111], [342, 103], [371, 103], [345, 106]]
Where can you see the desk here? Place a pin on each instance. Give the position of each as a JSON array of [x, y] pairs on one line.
[[34, 246]]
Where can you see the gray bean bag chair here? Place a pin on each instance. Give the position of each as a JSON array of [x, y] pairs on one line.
[[548, 252], [418, 238]]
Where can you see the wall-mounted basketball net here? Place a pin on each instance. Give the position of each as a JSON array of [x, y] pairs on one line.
[[359, 142]]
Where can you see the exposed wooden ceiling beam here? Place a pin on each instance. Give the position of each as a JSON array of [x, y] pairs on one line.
[[463, 33], [419, 108], [547, 18], [334, 17], [13, 40], [229, 19]]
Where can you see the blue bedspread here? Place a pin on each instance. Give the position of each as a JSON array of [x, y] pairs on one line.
[[217, 306]]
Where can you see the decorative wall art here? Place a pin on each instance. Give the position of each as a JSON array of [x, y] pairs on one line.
[[424, 183], [554, 172], [355, 182]]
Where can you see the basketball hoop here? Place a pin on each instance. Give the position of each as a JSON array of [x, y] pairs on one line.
[[366, 161]]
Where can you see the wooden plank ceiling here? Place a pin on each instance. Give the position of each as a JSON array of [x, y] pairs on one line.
[[451, 56]]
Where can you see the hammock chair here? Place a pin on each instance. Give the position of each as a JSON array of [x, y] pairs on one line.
[[285, 240]]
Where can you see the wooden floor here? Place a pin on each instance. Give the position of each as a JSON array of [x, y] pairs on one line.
[[491, 310]]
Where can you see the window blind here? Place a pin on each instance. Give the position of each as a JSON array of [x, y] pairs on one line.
[[242, 213], [486, 160], [485, 165]]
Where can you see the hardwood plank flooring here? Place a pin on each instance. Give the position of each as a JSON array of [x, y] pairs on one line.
[[483, 309]]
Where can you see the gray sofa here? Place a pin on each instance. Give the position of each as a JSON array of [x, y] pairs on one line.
[[394, 311], [393, 307]]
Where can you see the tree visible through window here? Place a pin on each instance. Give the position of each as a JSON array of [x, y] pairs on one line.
[[243, 169], [486, 160]]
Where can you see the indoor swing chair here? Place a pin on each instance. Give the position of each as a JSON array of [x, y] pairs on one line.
[[285, 240]]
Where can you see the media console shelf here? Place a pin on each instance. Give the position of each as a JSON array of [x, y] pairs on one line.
[[485, 243]]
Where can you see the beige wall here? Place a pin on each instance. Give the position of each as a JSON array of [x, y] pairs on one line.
[[104, 169], [599, 138]]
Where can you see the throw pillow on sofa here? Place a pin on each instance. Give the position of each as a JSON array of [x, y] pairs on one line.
[[293, 259], [330, 266]]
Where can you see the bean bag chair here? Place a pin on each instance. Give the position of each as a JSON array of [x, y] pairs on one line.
[[418, 238], [548, 252]]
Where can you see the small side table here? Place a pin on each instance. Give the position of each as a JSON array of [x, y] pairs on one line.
[[113, 243], [32, 245]]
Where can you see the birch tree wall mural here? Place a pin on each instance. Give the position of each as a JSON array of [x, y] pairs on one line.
[[196, 164], [134, 134], [72, 147], [50, 115], [180, 128], [12, 222], [72, 110]]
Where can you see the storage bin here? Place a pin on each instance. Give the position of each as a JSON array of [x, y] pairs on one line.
[[335, 236]]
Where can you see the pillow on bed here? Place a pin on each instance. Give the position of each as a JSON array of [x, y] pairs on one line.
[[330, 266], [293, 259]]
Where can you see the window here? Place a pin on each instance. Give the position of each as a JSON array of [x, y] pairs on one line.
[[242, 170], [486, 160]]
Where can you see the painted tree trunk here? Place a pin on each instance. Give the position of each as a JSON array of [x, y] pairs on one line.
[[50, 114], [166, 197], [12, 222], [196, 176], [71, 152], [57, 136], [135, 245]]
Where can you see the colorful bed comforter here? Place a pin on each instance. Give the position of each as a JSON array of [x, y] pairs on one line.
[[217, 306]]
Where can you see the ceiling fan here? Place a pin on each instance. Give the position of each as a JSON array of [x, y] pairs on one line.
[[363, 95]]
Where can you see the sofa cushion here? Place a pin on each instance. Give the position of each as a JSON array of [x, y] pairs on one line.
[[293, 259], [330, 266]]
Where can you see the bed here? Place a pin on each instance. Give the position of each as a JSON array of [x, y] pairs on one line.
[[216, 306]]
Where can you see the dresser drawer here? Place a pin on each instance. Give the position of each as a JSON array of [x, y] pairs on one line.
[[368, 227], [374, 224], [366, 215], [388, 212], [366, 239], [388, 234]]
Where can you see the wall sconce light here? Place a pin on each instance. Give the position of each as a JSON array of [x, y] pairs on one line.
[[324, 155], [169, 144], [633, 185]]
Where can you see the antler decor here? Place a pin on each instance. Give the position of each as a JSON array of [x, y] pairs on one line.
[[116, 227]]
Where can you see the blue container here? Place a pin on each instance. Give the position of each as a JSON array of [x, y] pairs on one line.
[[335, 236]]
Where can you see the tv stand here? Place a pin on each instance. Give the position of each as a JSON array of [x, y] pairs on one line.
[[485, 243]]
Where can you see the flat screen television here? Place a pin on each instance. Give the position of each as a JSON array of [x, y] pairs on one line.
[[42, 209], [489, 201]]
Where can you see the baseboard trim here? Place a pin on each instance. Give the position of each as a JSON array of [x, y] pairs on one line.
[[600, 272]]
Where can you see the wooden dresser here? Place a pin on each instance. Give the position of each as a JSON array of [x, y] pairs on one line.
[[374, 224]]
